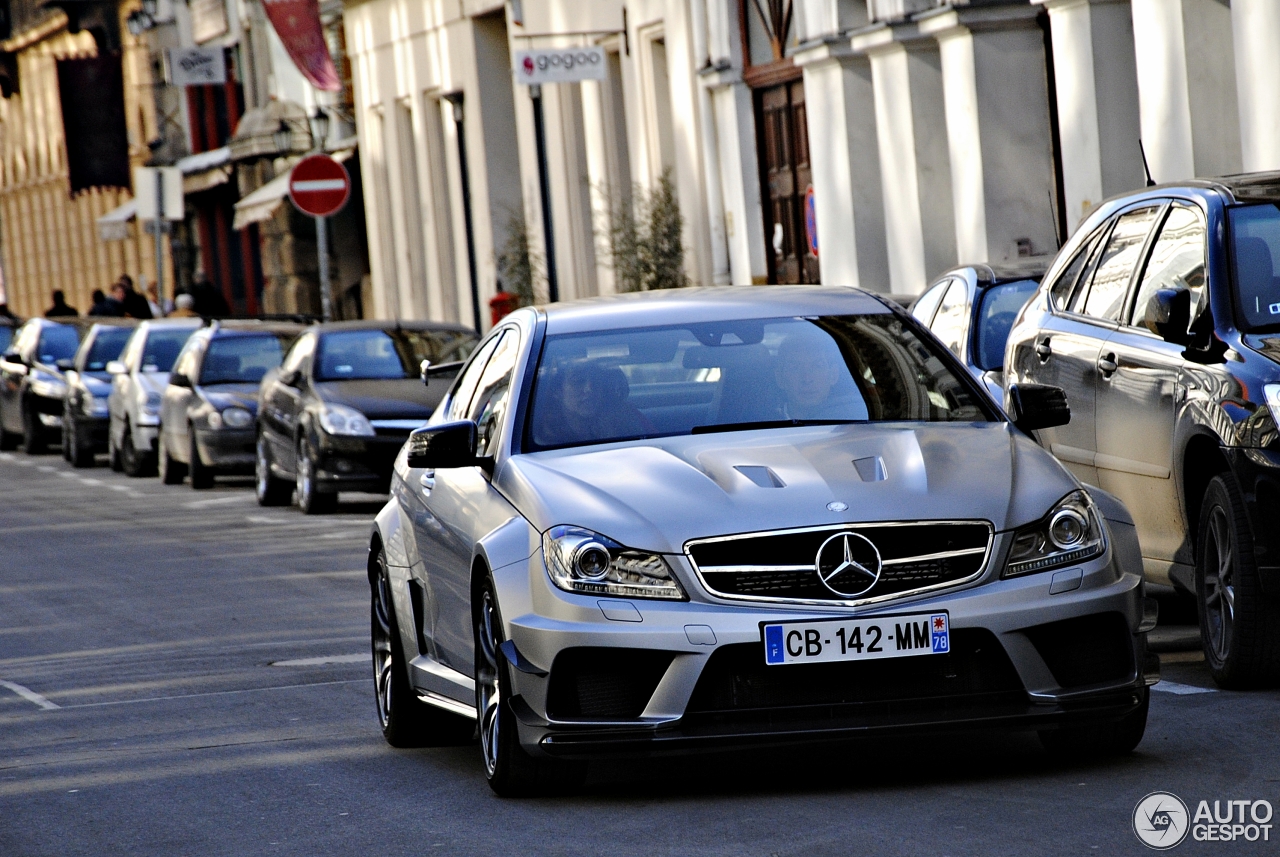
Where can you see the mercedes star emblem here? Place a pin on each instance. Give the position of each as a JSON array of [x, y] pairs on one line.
[[848, 564]]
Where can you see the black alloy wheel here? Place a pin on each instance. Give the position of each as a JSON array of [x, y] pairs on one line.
[[405, 719], [79, 453], [1101, 739], [133, 462], [33, 442], [270, 489], [311, 500], [510, 771], [171, 470], [201, 474], [1238, 624]]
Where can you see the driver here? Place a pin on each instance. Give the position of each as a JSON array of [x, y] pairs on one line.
[[809, 373]]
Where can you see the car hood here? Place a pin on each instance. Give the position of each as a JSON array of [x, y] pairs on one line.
[[232, 395], [658, 494], [384, 399]]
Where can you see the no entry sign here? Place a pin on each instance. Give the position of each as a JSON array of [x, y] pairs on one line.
[[319, 185]]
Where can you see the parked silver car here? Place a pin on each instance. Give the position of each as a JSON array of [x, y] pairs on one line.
[[138, 382], [683, 520]]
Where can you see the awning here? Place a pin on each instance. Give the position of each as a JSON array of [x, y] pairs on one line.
[[205, 170], [262, 203], [114, 225]]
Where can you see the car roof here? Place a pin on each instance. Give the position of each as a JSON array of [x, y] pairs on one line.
[[249, 327], [391, 324], [170, 323], [987, 274], [702, 304]]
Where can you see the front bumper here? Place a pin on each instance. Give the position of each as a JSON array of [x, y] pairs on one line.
[[227, 450], [600, 675], [358, 463], [46, 415]]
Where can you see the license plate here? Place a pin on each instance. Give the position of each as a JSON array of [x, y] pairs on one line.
[[821, 640]]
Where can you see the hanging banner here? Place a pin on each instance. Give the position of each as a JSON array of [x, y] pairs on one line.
[[92, 93], [560, 65], [197, 66], [297, 23]]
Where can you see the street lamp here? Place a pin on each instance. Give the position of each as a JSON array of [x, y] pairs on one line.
[[319, 128], [283, 137]]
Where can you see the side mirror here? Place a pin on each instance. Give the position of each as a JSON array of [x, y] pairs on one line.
[[290, 378], [178, 379], [424, 372], [1037, 406], [1168, 315], [65, 364], [117, 367], [13, 356], [444, 445]]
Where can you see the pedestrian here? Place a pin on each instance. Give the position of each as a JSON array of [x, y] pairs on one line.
[[5, 312], [109, 306], [210, 302], [184, 306], [135, 305], [60, 306]]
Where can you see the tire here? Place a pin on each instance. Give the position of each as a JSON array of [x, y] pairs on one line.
[[406, 720], [66, 434], [33, 442], [8, 440], [1094, 740], [171, 472], [201, 474], [510, 771], [270, 490], [1237, 622], [134, 463], [77, 453], [311, 501]]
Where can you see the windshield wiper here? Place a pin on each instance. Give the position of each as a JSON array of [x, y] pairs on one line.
[[768, 424]]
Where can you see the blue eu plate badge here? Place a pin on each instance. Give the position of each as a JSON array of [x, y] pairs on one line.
[[940, 633], [773, 644]]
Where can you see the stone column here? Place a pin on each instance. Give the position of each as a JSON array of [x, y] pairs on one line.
[[843, 157], [915, 169], [1256, 27], [1097, 91], [998, 130], [1187, 87]]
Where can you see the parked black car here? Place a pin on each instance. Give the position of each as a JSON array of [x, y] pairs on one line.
[[338, 410], [33, 384], [1161, 320], [85, 417], [207, 411], [971, 308]]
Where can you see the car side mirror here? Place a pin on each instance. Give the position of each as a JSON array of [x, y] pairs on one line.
[[178, 379], [424, 372], [117, 367], [65, 364], [1168, 315], [1037, 406], [13, 356], [444, 445], [290, 378]]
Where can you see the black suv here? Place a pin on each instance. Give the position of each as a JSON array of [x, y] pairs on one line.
[[1160, 318]]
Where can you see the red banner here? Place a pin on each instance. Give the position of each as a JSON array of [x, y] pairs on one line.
[[297, 22]]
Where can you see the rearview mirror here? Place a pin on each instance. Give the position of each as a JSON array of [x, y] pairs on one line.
[[117, 367], [1037, 406], [444, 445], [178, 379], [1168, 315]]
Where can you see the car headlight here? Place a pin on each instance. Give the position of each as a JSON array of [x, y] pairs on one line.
[[1070, 533], [237, 418], [579, 560], [340, 419], [48, 386]]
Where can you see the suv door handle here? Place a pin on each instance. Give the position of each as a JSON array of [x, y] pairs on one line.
[[427, 480], [1107, 364], [1043, 351]]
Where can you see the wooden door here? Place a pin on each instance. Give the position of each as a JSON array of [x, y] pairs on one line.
[[785, 177]]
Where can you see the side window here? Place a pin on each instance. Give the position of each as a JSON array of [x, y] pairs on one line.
[[493, 393], [1064, 287], [923, 308], [1177, 262], [1110, 282], [952, 318], [465, 386]]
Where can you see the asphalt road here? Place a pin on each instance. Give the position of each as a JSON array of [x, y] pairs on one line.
[[184, 673]]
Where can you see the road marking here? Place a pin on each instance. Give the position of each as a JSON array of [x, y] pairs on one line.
[[119, 487], [213, 693], [350, 534], [90, 481], [66, 474], [263, 519], [323, 660], [29, 695], [219, 501], [1182, 689], [44, 468]]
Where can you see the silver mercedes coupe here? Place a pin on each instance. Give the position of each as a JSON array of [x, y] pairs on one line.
[[693, 519]]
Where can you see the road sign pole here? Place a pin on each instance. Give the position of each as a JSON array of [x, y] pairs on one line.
[[544, 187], [159, 227], [322, 249]]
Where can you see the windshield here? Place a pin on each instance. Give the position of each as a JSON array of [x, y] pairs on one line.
[[162, 348], [1255, 239], [725, 376], [57, 342], [242, 359], [348, 355], [1000, 305], [107, 344], [6, 337]]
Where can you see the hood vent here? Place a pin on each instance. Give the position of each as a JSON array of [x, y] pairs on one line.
[[760, 475], [870, 469]]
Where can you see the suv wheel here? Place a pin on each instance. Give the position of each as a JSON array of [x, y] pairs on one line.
[[133, 462], [201, 473], [78, 453], [32, 440], [1238, 626], [270, 490], [311, 500]]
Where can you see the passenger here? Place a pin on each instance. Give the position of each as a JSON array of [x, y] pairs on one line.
[[60, 306], [184, 306], [135, 305], [809, 374], [113, 306], [592, 406]]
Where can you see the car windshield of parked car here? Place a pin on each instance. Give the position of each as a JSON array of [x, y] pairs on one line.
[[349, 355], [241, 359], [162, 347], [1255, 238], [727, 376], [57, 342], [999, 307], [106, 346]]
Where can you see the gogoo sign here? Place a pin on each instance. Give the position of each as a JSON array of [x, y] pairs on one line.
[[560, 65]]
